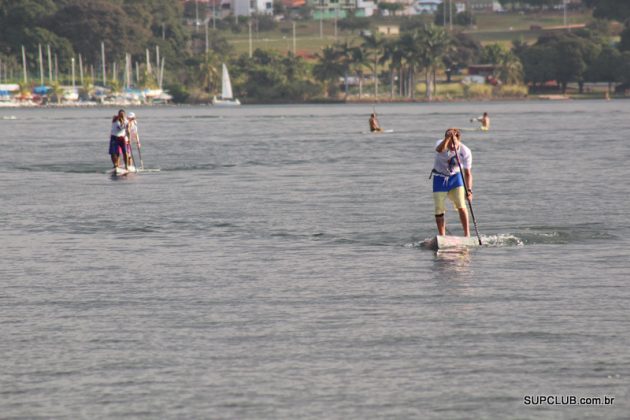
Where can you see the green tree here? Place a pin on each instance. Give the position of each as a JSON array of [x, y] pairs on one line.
[[492, 54], [209, 72], [410, 43], [568, 55], [328, 69], [611, 9], [624, 43], [358, 61], [538, 64], [87, 23], [623, 71], [605, 68], [435, 46], [510, 69], [465, 51], [372, 47], [394, 55]]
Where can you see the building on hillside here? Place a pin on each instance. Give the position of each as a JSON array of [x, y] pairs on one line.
[[365, 8], [224, 8], [332, 9], [252, 7], [484, 70], [485, 5], [406, 6], [426, 6], [293, 4]]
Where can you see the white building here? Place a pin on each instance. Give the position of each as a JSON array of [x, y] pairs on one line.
[[366, 8], [426, 6], [251, 7]]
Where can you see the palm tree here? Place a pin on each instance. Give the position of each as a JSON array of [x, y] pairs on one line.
[[510, 70], [209, 71], [394, 54], [345, 55], [328, 68], [436, 44], [373, 51], [411, 52], [359, 61]]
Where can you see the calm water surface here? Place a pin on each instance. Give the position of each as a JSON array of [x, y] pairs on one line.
[[272, 268]]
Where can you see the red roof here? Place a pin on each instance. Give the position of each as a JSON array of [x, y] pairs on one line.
[[292, 4]]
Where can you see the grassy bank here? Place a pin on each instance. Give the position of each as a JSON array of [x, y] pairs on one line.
[[490, 28]]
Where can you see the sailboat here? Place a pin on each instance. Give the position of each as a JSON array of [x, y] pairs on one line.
[[227, 98]]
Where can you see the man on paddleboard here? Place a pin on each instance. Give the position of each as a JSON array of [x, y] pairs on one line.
[[374, 125], [118, 139], [484, 120], [448, 181]]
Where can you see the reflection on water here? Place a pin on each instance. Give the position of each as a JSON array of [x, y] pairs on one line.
[[452, 262]]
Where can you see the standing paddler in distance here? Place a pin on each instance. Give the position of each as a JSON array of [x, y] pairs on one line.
[[133, 135], [448, 181], [484, 120], [374, 125], [118, 139]]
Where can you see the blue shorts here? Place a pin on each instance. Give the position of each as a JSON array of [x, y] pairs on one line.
[[117, 145], [444, 184]]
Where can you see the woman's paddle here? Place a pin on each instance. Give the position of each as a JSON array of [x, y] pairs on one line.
[[139, 153], [461, 171]]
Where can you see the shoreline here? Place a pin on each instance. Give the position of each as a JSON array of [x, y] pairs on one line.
[[542, 97]]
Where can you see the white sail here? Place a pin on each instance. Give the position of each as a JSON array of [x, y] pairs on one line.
[[226, 86]]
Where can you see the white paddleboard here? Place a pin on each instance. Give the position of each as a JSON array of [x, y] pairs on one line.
[[441, 242], [378, 132], [118, 171], [122, 171]]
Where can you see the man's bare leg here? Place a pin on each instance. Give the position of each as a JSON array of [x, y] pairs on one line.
[[463, 217], [441, 224]]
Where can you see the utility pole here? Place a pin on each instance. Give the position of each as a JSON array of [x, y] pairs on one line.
[[207, 44], [24, 65], [41, 65], [50, 77], [564, 4], [294, 42], [81, 69], [249, 25], [196, 16], [73, 84], [103, 60], [321, 19], [336, 18]]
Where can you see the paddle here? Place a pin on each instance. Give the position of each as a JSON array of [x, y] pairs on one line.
[[139, 153], [461, 171], [133, 161]]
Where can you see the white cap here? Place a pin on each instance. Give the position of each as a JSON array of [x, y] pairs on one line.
[[131, 115]]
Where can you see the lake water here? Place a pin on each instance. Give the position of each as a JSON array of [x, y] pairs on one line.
[[272, 268]]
